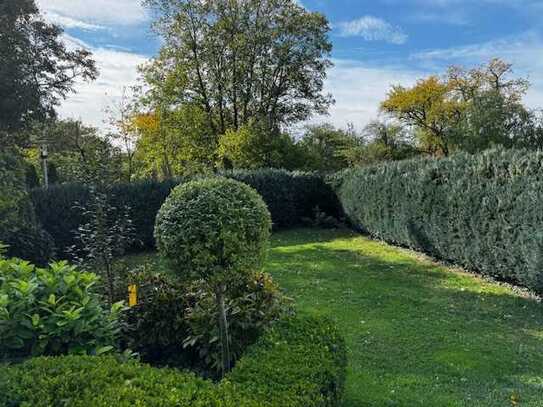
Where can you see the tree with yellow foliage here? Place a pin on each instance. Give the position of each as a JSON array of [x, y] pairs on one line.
[[431, 109], [468, 110]]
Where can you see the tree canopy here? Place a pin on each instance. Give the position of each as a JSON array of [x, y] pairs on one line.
[[469, 110], [241, 61], [38, 69]]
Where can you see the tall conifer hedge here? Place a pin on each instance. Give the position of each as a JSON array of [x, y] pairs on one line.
[[484, 212]]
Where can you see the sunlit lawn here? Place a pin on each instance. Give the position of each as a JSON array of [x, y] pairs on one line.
[[418, 334]]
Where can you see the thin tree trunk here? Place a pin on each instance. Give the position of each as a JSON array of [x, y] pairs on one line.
[[223, 328], [109, 278]]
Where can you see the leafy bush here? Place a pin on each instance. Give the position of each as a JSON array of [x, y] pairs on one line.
[[215, 230], [290, 196], [174, 323], [251, 305], [213, 226], [59, 210], [19, 228], [106, 234], [156, 327], [300, 362], [483, 212], [52, 311]]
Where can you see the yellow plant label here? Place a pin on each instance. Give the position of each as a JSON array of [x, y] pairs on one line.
[[132, 295]]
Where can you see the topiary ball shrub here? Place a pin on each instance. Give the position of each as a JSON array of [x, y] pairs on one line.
[[213, 226], [215, 230]]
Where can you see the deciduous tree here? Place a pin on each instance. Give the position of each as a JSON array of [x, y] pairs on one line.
[[38, 69], [241, 61]]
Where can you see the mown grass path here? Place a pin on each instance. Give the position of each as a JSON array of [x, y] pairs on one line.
[[418, 334]]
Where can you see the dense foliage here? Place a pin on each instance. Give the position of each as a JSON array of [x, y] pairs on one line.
[[53, 311], [173, 322], [467, 110], [482, 212], [252, 304], [156, 327], [19, 228], [299, 362], [239, 61], [105, 235], [290, 196], [213, 226]]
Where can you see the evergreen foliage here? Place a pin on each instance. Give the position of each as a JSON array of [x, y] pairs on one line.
[[291, 197], [299, 362], [19, 228], [483, 212]]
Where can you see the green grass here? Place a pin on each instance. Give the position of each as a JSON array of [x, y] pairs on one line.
[[418, 334]]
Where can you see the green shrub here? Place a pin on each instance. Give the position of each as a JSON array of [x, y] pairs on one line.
[[213, 227], [144, 198], [174, 323], [483, 212], [300, 362], [156, 327], [252, 305], [215, 230], [59, 210], [291, 197], [52, 311], [83, 381]]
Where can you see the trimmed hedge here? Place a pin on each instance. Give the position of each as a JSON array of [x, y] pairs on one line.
[[298, 362], [290, 197], [483, 212]]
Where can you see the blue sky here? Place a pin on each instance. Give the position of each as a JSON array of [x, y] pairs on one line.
[[377, 43]]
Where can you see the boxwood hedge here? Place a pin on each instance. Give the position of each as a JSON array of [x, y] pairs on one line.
[[484, 212], [290, 197], [299, 362]]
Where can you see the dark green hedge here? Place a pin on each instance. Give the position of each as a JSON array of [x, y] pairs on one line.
[[299, 362], [483, 212], [290, 197]]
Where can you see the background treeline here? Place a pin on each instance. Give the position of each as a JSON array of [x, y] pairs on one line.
[[463, 110]]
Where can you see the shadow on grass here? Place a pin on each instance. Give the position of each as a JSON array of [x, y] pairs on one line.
[[418, 333]]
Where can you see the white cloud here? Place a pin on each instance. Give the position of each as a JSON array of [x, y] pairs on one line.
[[373, 29], [359, 89], [96, 12], [118, 69], [68, 22]]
